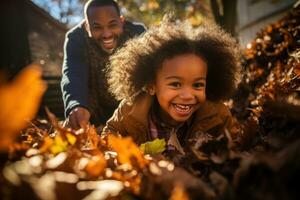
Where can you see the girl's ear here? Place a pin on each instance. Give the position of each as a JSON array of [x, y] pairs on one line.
[[151, 89]]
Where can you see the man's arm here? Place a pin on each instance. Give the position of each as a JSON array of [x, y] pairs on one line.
[[74, 83]]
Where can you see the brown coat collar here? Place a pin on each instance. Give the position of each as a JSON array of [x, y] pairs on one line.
[[133, 119]]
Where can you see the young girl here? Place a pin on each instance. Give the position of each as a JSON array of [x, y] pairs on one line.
[[171, 81]]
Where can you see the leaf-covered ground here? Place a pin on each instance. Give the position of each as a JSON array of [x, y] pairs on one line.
[[259, 159]]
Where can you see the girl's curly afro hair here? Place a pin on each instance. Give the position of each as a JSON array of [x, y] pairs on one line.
[[135, 65]]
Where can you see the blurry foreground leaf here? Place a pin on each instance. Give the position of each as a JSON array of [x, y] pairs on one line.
[[71, 138], [179, 193], [20, 100], [128, 152], [102, 189], [96, 164], [59, 145]]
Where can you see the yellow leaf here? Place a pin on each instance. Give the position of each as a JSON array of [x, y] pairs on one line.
[[154, 147], [59, 145], [71, 138]]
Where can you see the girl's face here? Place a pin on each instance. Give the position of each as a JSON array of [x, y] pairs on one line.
[[180, 87]]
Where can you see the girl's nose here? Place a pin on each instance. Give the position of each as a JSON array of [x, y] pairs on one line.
[[186, 94]]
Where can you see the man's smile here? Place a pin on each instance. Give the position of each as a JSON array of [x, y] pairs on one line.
[[108, 43]]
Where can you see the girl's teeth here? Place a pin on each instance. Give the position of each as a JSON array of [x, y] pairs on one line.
[[182, 108]]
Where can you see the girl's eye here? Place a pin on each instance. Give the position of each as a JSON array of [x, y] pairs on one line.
[[175, 84], [199, 85]]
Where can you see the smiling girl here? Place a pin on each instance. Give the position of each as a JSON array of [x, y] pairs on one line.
[[172, 81]]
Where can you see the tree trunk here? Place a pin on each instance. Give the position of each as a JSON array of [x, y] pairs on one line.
[[225, 14]]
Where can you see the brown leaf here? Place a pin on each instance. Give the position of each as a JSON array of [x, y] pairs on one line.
[[93, 139], [297, 70]]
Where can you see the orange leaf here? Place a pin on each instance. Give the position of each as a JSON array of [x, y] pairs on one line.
[[179, 193], [20, 99], [96, 165], [48, 142], [128, 152]]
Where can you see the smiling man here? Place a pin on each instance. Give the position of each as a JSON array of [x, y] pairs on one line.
[[86, 51]]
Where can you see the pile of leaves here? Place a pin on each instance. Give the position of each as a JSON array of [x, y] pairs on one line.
[[268, 98], [58, 163], [258, 159], [268, 105]]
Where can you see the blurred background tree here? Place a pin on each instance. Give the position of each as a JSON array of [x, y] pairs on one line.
[[68, 12], [149, 12]]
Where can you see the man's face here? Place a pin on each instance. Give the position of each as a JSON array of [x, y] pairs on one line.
[[105, 26]]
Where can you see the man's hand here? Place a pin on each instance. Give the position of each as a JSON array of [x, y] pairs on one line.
[[78, 118]]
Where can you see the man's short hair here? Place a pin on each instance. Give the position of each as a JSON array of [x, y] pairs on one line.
[[99, 3]]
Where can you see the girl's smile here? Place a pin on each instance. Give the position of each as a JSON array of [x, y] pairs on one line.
[[180, 87], [182, 109]]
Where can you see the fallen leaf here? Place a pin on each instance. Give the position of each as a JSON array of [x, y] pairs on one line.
[[128, 152], [96, 164], [156, 146], [178, 193]]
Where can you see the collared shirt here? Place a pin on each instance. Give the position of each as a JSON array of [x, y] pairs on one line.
[[174, 136]]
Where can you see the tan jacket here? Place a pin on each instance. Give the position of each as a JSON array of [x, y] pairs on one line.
[[132, 120]]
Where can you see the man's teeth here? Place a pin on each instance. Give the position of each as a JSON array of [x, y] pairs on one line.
[[108, 41]]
